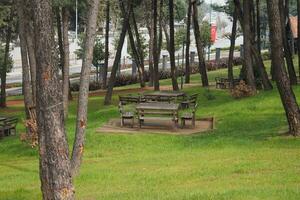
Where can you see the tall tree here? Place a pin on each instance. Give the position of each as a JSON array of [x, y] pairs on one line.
[[55, 173], [284, 17], [247, 45], [114, 69], [82, 105], [287, 95], [188, 41], [200, 50], [66, 59], [139, 47], [172, 46], [154, 46], [232, 45], [6, 56], [28, 99], [298, 40], [106, 57], [56, 168]]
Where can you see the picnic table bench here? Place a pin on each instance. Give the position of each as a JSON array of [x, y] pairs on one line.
[[163, 96], [8, 126], [157, 111], [223, 83]]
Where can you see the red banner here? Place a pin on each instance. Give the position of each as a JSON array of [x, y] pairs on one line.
[[213, 33]]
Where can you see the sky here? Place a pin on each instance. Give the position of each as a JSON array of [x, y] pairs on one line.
[[215, 1]]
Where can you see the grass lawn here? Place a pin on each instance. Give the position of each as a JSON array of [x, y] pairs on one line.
[[245, 157]]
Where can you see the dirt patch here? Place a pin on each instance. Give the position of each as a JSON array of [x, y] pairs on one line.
[[15, 102], [162, 127]]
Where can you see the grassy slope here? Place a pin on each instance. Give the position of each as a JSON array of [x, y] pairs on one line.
[[244, 158]]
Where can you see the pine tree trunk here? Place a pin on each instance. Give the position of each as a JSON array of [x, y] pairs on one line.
[[254, 50], [92, 14], [28, 99], [139, 45], [287, 51], [114, 69], [298, 39], [154, 47], [5, 62], [202, 66], [232, 45], [66, 59], [282, 81], [150, 30], [32, 59], [247, 45], [106, 57], [55, 173], [172, 46], [160, 31], [258, 35], [133, 46], [188, 41]]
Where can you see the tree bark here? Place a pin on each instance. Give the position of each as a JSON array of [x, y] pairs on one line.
[[160, 34], [32, 59], [254, 49], [258, 40], [232, 45], [154, 47], [287, 51], [139, 45], [114, 69], [106, 57], [28, 99], [298, 39], [172, 46], [150, 30], [6, 57], [282, 81], [66, 59], [93, 9], [188, 41], [247, 46], [202, 66], [55, 173], [133, 46]]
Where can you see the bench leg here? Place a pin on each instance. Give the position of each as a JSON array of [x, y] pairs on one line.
[[132, 125]]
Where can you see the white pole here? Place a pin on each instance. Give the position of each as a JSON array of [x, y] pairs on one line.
[[76, 25]]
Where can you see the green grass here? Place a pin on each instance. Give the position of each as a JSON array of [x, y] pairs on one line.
[[245, 157]]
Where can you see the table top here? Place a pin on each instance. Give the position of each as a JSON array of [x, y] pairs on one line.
[[157, 106], [166, 93]]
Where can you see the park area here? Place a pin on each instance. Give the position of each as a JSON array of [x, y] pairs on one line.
[[246, 156], [149, 99]]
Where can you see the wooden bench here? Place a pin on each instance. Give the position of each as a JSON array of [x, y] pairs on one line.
[[129, 99], [8, 126], [126, 115], [157, 111], [190, 101], [221, 83], [189, 116]]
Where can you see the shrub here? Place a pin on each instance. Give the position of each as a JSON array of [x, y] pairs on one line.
[[242, 90]]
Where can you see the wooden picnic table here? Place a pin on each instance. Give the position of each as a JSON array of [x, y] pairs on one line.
[[157, 111], [165, 95]]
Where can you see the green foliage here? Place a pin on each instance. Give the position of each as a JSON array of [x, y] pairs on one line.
[[144, 46], [9, 64], [205, 33], [98, 53], [180, 38]]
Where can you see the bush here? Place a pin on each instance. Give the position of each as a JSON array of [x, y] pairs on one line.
[[242, 90], [127, 79]]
